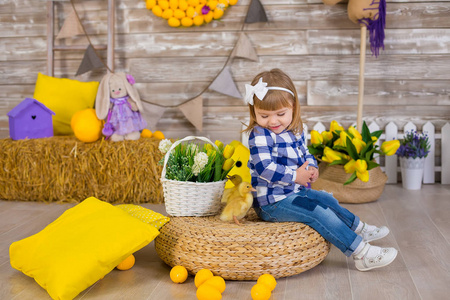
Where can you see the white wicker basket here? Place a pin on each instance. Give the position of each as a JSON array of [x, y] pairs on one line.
[[191, 199]]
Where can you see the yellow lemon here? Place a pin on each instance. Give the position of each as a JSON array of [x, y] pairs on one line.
[[218, 13], [183, 5], [167, 14], [157, 11], [268, 280], [208, 292], [190, 12], [150, 4], [158, 134], [187, 22], [164, 4], [178, 274], [217, 282], [174, 22], [173, 4], [202, 276], [208, 17], [179, 14], [86, 126], [198, 20], [146, 133], [260, 292], [127, 264]]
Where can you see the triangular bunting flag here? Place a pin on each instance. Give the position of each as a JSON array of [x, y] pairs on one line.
[[152, 114], [193, 111], [256, 13], [71, 27], [90, 61], [244, 48], [224, 84]]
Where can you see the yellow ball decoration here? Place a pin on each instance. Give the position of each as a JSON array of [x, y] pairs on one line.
[[127, 264], [86, 126], [159, 135], [189, 12], [149, 4], [157, 11], [174, 22], [187, 22], [146, 133], [167, 14], [164, 4], [198, 20], [178, 274]]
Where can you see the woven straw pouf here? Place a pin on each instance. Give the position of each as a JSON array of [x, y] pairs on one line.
[[240, 252]]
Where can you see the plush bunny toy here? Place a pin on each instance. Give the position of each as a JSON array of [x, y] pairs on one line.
[[119, 102]]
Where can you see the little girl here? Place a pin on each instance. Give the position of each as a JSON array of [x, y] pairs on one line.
[[282, 168]]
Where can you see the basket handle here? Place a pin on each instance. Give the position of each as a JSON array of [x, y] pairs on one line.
[[188, 138]]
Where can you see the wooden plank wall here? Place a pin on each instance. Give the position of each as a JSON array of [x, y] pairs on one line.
[[316, 44]]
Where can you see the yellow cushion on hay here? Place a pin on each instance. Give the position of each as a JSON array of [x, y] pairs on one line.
[[80, 247], [146, 215], [64, 97]]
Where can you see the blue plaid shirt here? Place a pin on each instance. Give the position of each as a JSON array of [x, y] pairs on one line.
[[274, 158]]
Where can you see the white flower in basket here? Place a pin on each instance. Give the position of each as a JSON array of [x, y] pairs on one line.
[[193, 176]]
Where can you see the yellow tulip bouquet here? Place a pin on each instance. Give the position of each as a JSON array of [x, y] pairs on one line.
[[350, 148], [197, 163]]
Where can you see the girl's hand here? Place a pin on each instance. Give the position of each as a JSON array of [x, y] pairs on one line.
[[303, 175], [315, 173]]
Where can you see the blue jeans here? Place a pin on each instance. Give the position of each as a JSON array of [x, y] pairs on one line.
[[321, 211]]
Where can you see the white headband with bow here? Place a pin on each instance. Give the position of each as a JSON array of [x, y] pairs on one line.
[[260, 90]]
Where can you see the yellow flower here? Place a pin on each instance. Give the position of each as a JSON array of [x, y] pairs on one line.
[[208, 147], [228, 151], [327, 136], [359, 144], [350, 166], [390, 147], [363, 176], [342, 140], [211, 153], [355, 132], [329, 155], [316, 138], [361, 166], [374, 139], [335, 126], [219, 144], [228, 164]]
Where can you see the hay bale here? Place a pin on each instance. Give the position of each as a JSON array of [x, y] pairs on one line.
[[64, 169]]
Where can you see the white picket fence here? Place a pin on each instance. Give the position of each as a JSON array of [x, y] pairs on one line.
[[391, 164]]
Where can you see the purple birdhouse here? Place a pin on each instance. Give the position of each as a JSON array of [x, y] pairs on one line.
[[30, 120]]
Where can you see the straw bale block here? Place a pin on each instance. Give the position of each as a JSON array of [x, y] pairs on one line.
[[62, 168]]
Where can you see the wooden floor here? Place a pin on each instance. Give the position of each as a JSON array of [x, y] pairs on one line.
[[420, 229]]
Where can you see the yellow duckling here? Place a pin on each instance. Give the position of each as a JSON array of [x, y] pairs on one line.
[[239, 200]]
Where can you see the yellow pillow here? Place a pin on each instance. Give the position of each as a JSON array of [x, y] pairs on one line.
[[146, 215], [80, 247], [64, 97]]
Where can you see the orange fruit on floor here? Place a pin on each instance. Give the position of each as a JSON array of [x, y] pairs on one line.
[[268, 280], [217, 282], [260, 292], [158, 134], [208, 292], [127, 264], [86, 126], [146, 133], [202, 276], [178, 274]]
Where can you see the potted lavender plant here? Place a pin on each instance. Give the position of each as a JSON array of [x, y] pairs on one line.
[[413, 150]]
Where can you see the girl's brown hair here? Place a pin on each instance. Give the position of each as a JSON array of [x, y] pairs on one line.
[[276, 99]]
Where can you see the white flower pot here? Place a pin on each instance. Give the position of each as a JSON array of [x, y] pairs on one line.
[[412, 172]]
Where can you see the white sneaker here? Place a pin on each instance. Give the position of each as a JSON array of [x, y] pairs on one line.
[[372, 257], [374, 234]]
